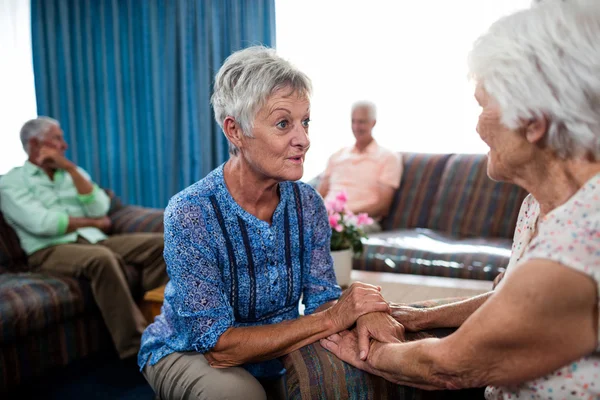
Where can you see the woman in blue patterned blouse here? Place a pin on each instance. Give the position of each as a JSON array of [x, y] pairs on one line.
[[245, 244]]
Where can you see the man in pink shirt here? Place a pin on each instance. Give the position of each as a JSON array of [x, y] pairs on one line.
[[367, 172]]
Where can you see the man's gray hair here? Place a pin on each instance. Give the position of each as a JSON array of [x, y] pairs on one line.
[[245, 82], [36, 128], [369, 105], [545, 62]]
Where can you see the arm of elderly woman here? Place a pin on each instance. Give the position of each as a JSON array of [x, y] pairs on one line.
[[238, 346], [521, 333], [450, 315]]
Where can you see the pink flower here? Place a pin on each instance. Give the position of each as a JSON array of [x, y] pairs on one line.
[[339, 228], [363, 219], [334, 220], [342, 197]]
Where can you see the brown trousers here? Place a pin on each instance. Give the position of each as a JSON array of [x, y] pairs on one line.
[[103, 264], [188, 376]]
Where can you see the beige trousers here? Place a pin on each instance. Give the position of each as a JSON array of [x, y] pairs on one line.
[[103, 264], [188, 376]]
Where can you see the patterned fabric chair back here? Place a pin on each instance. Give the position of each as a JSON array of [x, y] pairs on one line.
[[453, 194]]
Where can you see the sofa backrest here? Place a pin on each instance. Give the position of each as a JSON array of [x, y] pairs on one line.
[[469, 203], [453, 194], [421, 176]]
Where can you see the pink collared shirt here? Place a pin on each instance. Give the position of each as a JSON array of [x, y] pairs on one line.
[[360, 174]]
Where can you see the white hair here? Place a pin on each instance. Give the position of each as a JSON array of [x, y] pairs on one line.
[[245, 82], [36, 128], [545, 62], [369, 105]]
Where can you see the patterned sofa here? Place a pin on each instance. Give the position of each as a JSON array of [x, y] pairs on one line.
[[447, 219], [46, 320]]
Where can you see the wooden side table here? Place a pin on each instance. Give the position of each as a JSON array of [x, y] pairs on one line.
[[152, 302]]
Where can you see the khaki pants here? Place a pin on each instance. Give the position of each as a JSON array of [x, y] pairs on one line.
[[188, 376], [103, 264]]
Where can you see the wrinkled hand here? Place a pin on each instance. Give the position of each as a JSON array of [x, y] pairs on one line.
[[345, 347], [498, 279], [54, 158], [359, 299], [104, 224], [379, 326], [413, 319]]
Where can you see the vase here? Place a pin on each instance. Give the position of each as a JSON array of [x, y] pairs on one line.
[[342, 264]]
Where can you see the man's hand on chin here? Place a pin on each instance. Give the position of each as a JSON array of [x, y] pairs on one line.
[[53, 158]]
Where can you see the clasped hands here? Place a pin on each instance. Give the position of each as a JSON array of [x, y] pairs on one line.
[[366, 322]]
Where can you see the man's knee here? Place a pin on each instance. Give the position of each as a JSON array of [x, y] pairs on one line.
[[104, 260]]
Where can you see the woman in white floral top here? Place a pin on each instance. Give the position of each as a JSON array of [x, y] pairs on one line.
[[537, 75]]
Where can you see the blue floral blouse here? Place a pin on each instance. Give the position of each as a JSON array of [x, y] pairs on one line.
[[230, 269]]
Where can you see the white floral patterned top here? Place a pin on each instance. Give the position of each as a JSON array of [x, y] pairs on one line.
[[569, 235]]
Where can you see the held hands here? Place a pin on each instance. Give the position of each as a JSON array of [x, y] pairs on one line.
[[54, 158], [379, 326], [356, 301]]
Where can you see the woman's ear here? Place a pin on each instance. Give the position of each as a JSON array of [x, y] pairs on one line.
[[233, 131], [536, 129]]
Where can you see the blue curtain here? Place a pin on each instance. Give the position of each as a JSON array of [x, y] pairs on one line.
[[130, 81]]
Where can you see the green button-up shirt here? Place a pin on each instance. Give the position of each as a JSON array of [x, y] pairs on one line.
[[39, 208]]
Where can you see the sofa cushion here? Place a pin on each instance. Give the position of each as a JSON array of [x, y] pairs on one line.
[[31, 301], [469, 203], [414, 198], [131, 219], [425, 252]]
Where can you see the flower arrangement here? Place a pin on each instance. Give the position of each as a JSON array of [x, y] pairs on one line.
[[346, 227]]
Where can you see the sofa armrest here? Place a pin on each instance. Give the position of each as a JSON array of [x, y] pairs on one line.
[[132, 219]]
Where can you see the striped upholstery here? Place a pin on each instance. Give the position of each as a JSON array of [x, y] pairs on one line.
[[425, 252], [413, 200], [131, 219], [314, 373], [468, 203], [30, 302]]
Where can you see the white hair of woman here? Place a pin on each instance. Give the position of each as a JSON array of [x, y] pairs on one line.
[[245, 82], [36, 128], [545, 62]]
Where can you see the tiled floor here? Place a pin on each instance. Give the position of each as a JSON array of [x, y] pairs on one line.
[[404, 288]]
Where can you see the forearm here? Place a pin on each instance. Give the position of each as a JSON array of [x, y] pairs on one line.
[[82, 185], [239, 346], [410, 363], [450, 315], [76, 223]]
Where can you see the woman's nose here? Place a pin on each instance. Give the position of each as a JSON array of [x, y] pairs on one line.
[[301, 138]]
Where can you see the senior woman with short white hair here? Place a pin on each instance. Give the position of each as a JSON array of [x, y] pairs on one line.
[[537, 75], [244, 244]]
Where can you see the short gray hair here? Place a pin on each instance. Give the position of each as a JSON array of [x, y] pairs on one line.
[[545, 62], [369, 105], [36, 128], [245, 82]]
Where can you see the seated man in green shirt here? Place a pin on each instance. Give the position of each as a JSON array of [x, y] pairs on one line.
[[60, 217]]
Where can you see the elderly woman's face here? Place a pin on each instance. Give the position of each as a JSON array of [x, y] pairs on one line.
[[508, 149], [280, 137]]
